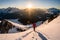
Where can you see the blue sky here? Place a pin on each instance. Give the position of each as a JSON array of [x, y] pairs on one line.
[[35, 3]]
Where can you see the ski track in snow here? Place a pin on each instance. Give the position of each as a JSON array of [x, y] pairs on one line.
[[34, 37], [26, 34], [41, 36]]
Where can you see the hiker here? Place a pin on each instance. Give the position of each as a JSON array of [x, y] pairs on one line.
[[34, 26]]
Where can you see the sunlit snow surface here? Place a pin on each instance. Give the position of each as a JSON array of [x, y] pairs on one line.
[[50, 31]]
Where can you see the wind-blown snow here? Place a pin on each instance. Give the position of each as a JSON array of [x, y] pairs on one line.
[[50, 31]]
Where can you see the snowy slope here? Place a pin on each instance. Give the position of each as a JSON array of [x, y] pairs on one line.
[[15, 36], [17, 23], [50, 31]]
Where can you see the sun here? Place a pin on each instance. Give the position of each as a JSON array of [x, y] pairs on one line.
[[29, 6]]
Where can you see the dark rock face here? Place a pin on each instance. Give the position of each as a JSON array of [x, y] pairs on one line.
[[5, 26], [52, 17]]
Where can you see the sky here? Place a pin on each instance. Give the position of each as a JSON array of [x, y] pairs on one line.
[[35, 3]]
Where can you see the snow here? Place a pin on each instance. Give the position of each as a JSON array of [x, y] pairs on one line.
[[0, 21], [13, 30], [17, 23], [50, 31], [14, 20], [14, 36]]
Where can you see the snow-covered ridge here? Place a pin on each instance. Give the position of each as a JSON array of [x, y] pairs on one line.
[[16, 23], [51, 31]]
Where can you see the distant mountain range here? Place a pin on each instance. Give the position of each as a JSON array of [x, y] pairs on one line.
[[24, 15], [53, 10], [14, 10], [9, 10]]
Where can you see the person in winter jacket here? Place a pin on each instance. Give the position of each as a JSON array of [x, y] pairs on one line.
[[34, 26]]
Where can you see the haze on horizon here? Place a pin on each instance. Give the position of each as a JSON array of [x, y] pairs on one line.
[[21, 4]]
